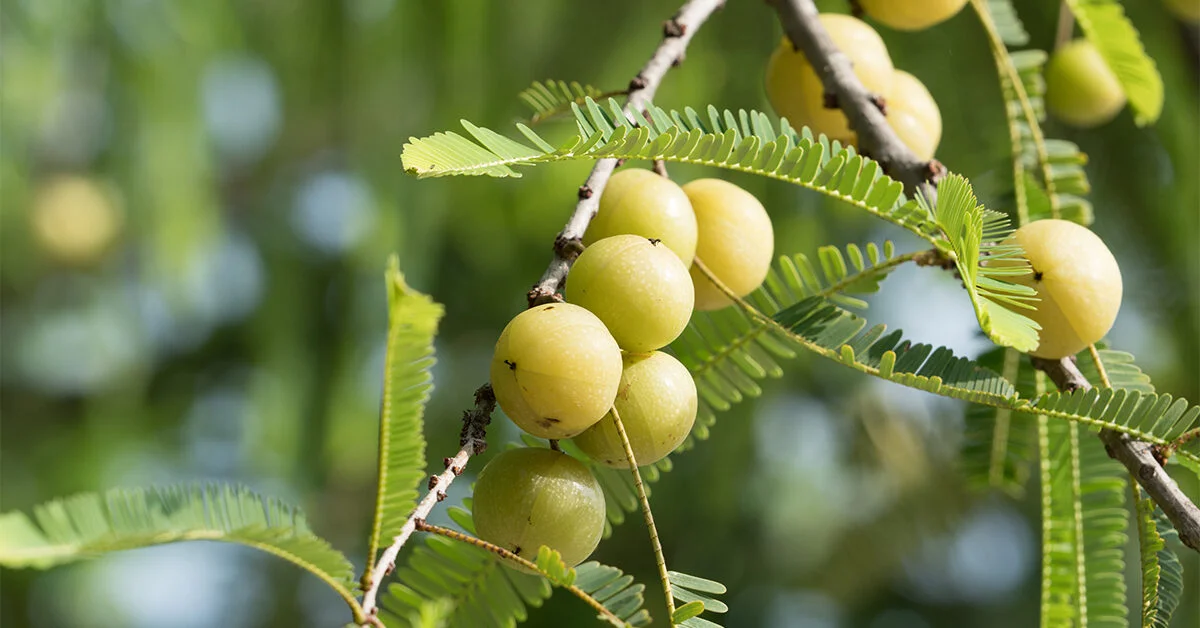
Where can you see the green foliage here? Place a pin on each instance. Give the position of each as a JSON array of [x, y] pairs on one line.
[[1105, 25], [1162, 573], [1154, 418], [1000, 445], [412, 324], [696, 596], [483, 592], [1008, 24], [554, 98], [745, 142], [1118, 367], [1083, 530], [89, 525], [728, 351], [974, 233]]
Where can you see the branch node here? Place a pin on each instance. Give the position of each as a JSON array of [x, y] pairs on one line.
[[830, 100], [441, 496], [433, 482], [935, 171], [880, 103], [638, 83], [672, 28], [678, 61], [585, 192]]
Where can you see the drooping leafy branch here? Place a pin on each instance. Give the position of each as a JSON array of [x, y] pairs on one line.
[[1104, 23], [89, 525]]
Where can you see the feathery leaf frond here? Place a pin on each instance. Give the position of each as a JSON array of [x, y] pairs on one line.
[[1000, 445], [554, 98], [1162, 573], [1008, 24], [1105, 25], [89, 525], [412, 324], [695, 596], [745, 142]]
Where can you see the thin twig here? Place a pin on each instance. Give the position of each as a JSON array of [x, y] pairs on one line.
[[473, 441], [1066, 25], [677, 33], [507, 555], [1137, 456], [876, 138], [644, 500]]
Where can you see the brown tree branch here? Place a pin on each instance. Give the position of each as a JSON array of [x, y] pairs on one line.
[[677, 33], [473, 441], [876, 138], [1137, 456]]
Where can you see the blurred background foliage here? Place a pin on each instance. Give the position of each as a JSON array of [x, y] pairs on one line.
[[198, 201]]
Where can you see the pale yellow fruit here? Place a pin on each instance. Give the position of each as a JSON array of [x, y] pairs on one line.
[[1081, 90], [1077, 280], [736, 240], [657, 404], [637, 287], [1188, 10], [911, 15], [527, 498], [555, 370], [640, 202], [795, 89], [75, 220], [913, 114]]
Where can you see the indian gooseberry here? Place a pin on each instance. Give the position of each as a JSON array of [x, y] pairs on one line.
[[555, 370], [657, 405], [1188, 10], [637, 287], [1081, 90], [911, 15], [736, 241], [913, 114], [1077, 280], [795, 89], [527, 498], [641, 202]]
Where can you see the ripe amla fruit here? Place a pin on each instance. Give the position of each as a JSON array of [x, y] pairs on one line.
[[914, 116], [911, 15], [1077, 280], [637, 287], [657, 404], [641, 202], [795, 89], [1081, 90], [736, 240], [527, 498], [555, 370]]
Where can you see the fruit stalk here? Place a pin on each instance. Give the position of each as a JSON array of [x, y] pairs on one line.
[[801, 23], [677, 33], [472, 441], [1137, 456]]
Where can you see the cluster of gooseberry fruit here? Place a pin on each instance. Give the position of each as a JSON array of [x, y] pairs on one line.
[[796, 92], [573, 369]]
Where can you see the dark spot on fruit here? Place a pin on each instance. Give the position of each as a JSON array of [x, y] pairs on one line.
[[549, 308], [655, 241], [1037, 275], [512, 366]]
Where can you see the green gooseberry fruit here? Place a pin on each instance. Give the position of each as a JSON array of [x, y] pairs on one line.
[[657, 404], [1081, 90], [736, 240], [1077, 280], [555, 370], [913, 114], [641, 202], [527, 498], [638, 287], [911, 15]]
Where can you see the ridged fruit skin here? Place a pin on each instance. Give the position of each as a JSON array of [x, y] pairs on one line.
[[637, 287], [1077, 280], [527, 498], [657, 403], [640, 202], [911, 15], [795, 90], [1081, 90], [914, 115], [736, 240], [555, 370]]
